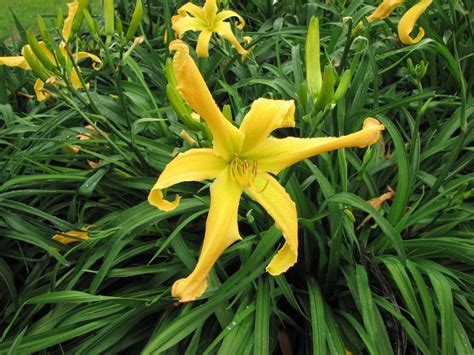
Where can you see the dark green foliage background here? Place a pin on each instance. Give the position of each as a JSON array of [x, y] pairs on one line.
[[403, 283]]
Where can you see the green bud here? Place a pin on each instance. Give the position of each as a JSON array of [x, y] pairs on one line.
[[181, 109], [312, 54], [343, 86], [169, 70], [43, 31], [327, 88], [135, 22], [59, 17], [303, 95], [37, 68], [92, 24], [226, 110], [119, 27], [76, 25], [39, 52], [60, 57], [109, 18]]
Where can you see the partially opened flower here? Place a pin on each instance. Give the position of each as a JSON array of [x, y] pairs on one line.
[[207, 20], [241, 160], [67, 67], [407, 22]]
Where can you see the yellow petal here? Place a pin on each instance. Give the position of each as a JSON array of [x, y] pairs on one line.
[[224, 15], [224, 30], [72, 10], [268, 192], [210, 11], [264, 117], [221, 231], [96, 61], [384, 10], [190, 8], [182, 24], [75, 80], [72, 236], [193, 165], [408, 21], [41, 93], [227, 138], [15, 61], [202, 49], [274, 154]]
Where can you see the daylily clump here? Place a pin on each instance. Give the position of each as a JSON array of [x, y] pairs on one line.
[[408, 20], [208, 21], [241, 160], [60, 64]]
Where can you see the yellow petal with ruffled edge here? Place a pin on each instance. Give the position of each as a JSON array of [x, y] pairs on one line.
[[268, 192], [384, 10], [193, 165], [202, 48], [67, 27], [275, 154], [224, 30], [96, 61], [15, 61], [221, 231], [264, 117], [408, 21], [227, 139], [182, 24], [41, 93]]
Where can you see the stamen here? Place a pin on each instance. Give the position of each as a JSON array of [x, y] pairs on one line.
[[241, 172], [254, 168]]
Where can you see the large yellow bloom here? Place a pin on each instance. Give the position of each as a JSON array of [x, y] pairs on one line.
[[408, 20], [207, 20], [241, 160], [21, 62]]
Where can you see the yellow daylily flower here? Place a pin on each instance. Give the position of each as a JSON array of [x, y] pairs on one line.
[[207, 20], [241, 160], [408, 20], [21, 62], [73, 236]]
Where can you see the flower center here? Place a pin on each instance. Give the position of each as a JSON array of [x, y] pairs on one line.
[[243, 172]]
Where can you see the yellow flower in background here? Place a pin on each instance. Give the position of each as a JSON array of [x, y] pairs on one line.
[[207, 20], [384, 10], [241, 160], [408, 20], [73, 236], [21, 62]]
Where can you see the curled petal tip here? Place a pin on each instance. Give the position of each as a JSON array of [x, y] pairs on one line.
[[188, 290], [373, 129], [179, 46], [371, 122], [283, 260], [155, 198]]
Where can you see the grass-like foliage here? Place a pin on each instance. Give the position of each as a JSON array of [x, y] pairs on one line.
[[395, 278]]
